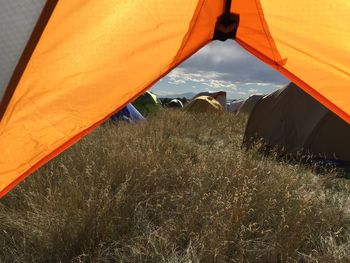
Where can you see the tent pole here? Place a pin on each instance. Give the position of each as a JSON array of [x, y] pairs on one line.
[[227, 24], [228, 6]]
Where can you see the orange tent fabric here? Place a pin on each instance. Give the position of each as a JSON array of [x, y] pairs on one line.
[[95, 56], [307, 41]]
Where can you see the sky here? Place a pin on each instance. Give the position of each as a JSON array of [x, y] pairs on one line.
[[221, 66]]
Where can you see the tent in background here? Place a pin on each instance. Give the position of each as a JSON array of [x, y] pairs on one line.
[[164, 101], [147, 103], [294, 122], [129, 113], [220, 96], [62, 60], [174, 103], [233, 106], [248, 105], [204, 104]]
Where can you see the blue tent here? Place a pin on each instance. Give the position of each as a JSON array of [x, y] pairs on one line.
[[129, 113]]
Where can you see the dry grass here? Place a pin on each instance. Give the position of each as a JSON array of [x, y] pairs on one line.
[[177, 188]]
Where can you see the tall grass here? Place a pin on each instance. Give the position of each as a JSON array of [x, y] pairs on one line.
[[176, 188]]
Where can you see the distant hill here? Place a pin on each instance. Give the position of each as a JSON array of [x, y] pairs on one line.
[[188, 95]]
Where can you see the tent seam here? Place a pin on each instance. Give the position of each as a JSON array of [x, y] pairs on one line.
[[261, 17], [189, 33]]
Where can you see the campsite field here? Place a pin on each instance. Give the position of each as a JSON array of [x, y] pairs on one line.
[[176, 188]]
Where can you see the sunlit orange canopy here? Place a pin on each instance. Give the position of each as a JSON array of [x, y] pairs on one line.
[[95, 56], [307, 41]]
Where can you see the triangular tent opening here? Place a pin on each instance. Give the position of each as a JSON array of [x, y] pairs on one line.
[[94, 57]]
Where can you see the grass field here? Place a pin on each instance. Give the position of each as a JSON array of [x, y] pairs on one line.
[[176, 188]]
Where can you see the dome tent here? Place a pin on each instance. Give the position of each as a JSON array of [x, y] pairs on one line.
[[204, 104], [220, 96], [233, 106], [129, 113], [248, 105], [60, 59], [293, 122], [147, 103], [175, 103]]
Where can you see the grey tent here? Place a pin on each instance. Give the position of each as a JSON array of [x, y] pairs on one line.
[[233, 106], [294, 122], [248, 105]]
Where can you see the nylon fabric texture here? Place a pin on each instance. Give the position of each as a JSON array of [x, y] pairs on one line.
[[93, 58], [307, 41]]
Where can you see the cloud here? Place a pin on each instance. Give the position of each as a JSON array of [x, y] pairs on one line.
[[234, 63], [253, 90], [193, 75], [219, 52], [211, 79], [176, 81], [223, 66], [220, 84], [263, 84]]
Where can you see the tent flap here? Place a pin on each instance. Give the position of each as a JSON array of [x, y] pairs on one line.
[[307, 41], [92, 59]]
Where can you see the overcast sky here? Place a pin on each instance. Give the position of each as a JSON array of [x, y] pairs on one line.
[[221, 66]]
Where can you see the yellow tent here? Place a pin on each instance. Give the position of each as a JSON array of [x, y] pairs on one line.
[[204, 104], [87, 59]]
